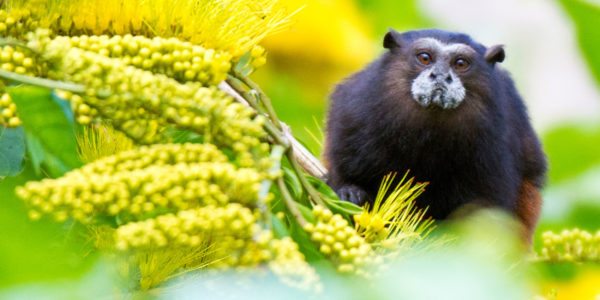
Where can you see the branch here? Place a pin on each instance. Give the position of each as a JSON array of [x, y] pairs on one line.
[[305, 159]]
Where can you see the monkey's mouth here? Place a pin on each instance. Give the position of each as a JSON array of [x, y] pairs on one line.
[[439, 97], [437, 93]]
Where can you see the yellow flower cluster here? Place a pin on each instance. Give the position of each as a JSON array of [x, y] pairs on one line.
[[129, 96], [16, 22], [289, 264], [232, 224], [234, 26], [340, 242], [20, 62], [138, 189], [155, 155], [574, 245], [174, 58], [258, 56], [8, 111]]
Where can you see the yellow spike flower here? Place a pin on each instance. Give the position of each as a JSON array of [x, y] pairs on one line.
[[393, 221], [234, 26]]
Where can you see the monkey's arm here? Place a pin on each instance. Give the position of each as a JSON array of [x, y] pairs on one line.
[[353, 193]]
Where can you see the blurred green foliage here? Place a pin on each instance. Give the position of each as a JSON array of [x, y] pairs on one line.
[[397, 14], [572, 150], [12, 142], [44, 250], [290, 102], [473, 267], [36, 251], [585, 16]]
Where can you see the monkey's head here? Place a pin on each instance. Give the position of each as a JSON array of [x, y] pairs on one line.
[[440, 68]]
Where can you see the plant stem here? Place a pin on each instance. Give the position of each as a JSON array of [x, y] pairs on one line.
[[290, 203], [20, 44], [234, 89], [47, 83], [307, 161], [312, 192], [266, 101]]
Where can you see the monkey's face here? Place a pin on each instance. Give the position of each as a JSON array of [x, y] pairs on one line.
[[440, 67], [441, 73]]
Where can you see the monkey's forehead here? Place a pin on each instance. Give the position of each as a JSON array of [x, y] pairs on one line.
[[439, 46]]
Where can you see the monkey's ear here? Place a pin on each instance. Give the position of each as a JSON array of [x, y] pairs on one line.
[[495, 54], [392, 39]]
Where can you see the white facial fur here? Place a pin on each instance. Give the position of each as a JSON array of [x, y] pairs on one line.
[[447, 91]]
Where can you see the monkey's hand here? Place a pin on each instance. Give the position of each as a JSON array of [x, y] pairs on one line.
[[353, 194]]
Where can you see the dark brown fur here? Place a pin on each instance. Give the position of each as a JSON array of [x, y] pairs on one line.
[[482, 152]]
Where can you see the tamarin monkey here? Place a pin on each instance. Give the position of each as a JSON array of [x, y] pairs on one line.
[[438, 104]]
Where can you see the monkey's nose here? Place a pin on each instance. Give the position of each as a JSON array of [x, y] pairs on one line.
[[436, 77]]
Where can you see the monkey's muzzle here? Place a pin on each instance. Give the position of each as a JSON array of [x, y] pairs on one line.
[[442, 89]]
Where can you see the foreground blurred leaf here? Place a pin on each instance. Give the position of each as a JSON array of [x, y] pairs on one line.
[[98, 283], [571, 151], [585, 15], [34, 251], [51, 137], [12, 150], [485, 263]]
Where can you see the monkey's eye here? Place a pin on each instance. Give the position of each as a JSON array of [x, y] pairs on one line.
[[424, 58], [461, 64]]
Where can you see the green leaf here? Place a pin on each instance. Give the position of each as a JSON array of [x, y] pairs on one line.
[[293, 183], [342, 207], [41, 250], [571, 150], [36, 152], [12, 151], [279, 228], [307, 213], [51, 137], [243, 65], [322, 187], [585, 17]]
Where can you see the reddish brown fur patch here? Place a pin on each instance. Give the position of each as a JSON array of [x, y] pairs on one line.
[[529, 206]]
